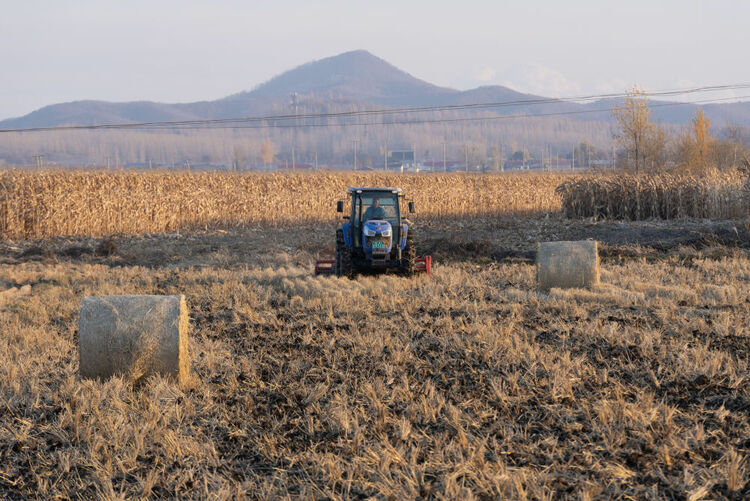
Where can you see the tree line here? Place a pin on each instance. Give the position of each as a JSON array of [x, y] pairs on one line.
[[643, 145], [633, 142], [480, 142]]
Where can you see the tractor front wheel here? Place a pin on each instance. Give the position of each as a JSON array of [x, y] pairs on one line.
[[344, 266]]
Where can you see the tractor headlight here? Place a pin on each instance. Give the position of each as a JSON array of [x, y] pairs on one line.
[[369, 232], [386, 233]]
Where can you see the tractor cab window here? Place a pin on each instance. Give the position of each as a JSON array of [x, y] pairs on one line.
[[377, 207], [366, 208]]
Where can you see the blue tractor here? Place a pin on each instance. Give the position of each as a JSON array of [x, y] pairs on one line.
[[374, 237]]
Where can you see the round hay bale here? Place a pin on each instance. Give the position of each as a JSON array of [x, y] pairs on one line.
[[567, 264], [134, 336]]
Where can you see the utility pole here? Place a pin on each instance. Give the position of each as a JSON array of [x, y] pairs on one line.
[[445, 169], [39, 160], [294, 103], [316, 159], [466, 155], [549, 157], [355, 153], [614, 157], [385, 156]]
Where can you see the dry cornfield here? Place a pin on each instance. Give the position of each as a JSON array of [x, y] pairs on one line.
[[715, 195], [57, 202]]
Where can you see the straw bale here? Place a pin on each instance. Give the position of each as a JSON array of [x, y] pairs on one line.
[[134, 336], [567, 264]]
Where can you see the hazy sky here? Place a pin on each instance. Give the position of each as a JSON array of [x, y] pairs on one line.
[[179, 51]]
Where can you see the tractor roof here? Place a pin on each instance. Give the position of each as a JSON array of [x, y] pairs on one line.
[[364, 189]]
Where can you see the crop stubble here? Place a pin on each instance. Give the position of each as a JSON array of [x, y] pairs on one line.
[[467, 383]]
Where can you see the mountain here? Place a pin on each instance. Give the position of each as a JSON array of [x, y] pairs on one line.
[[356, 75], [352, 78]]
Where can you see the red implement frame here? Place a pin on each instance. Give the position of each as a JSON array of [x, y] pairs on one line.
[[327, 266], [423, 264]]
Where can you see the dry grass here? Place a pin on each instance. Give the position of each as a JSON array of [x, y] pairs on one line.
[[714, 195], [469, 384], [52, 203]]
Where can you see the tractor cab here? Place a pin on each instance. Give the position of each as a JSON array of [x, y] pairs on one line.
[[374, 213]]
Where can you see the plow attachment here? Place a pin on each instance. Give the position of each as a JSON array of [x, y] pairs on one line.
[[328, 266], [423, 264]]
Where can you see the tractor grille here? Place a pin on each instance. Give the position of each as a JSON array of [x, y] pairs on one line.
[[386, 244]]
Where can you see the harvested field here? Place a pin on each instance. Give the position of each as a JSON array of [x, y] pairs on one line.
[[716, 195], [53, 203], [466, 384]]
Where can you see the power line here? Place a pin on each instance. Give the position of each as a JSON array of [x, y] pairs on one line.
[[223, 123], [448, 120], [521, 102]]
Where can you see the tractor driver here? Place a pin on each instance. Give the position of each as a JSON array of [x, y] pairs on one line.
[[375, 211]]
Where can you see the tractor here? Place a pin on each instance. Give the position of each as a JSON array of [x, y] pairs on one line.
[[374, 237]]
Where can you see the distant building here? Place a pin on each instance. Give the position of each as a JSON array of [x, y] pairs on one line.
[[438, 165], [401, 160]]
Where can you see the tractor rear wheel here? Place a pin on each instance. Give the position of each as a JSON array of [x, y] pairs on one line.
[[408, 255], [344, 266]]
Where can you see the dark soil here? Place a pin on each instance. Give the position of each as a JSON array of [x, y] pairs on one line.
[[470, 240]]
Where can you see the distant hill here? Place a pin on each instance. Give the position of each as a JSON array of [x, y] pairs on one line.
[[356, 77], [100, 112]]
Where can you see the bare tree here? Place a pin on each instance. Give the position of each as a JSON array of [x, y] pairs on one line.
[[266, 152], [633, 117]]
